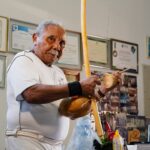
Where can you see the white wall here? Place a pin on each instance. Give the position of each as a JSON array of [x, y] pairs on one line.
[[122, 19]]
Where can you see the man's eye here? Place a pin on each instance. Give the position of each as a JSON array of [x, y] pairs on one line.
[[51, 38], [62, 44]]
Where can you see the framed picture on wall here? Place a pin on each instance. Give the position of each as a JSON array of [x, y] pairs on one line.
[[124, 55], [99, 54], [20, 35], [3, 33], [2, 70], [72, 53], [72, 75], [148, 46]]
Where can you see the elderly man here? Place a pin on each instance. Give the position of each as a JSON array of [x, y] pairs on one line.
[[35, 88]]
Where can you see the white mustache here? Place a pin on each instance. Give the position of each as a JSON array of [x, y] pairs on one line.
[[54, 52]]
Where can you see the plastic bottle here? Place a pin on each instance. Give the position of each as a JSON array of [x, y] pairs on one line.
[[117, 141], [82, 136]]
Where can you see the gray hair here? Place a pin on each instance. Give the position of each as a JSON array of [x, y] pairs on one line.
[[44, 24]]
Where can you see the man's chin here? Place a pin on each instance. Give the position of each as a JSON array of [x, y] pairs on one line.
[[56, 60]]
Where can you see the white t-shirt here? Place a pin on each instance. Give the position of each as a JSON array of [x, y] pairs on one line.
[[26, 70]]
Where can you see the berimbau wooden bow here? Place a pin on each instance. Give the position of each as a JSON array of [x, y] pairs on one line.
[[98, 124]]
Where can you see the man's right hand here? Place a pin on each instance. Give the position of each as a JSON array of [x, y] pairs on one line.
[[88, 85]]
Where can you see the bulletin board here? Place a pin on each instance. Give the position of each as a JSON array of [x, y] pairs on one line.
[[123, 97]]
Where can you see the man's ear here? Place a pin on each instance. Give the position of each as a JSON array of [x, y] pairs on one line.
[[34, 38]]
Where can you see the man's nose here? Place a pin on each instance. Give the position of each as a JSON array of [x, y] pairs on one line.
[[56, 45]]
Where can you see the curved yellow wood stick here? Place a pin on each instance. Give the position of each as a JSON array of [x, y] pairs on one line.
[[98, 124]]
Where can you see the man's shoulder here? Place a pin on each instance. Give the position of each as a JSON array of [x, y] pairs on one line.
[[23, 55], [20, 58]]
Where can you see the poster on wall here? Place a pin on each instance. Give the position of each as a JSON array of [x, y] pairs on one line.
[[128, 95], [20, 34], [124, 55]]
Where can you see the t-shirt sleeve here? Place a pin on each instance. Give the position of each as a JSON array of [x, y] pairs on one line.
[[21, 75]]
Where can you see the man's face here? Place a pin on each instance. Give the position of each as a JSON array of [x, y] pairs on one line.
[[49, 44]]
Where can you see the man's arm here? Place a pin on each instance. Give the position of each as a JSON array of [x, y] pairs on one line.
[[40, 93]]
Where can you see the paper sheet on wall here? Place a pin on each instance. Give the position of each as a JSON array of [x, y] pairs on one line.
[[22, 37], [124, 55], [97, 51]]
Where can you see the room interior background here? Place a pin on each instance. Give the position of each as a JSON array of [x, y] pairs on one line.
[[127, 20]]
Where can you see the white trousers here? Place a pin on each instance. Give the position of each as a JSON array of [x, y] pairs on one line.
[[28, 143]]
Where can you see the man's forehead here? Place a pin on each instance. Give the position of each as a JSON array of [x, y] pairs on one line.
[[55, 28], [54, 31]]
